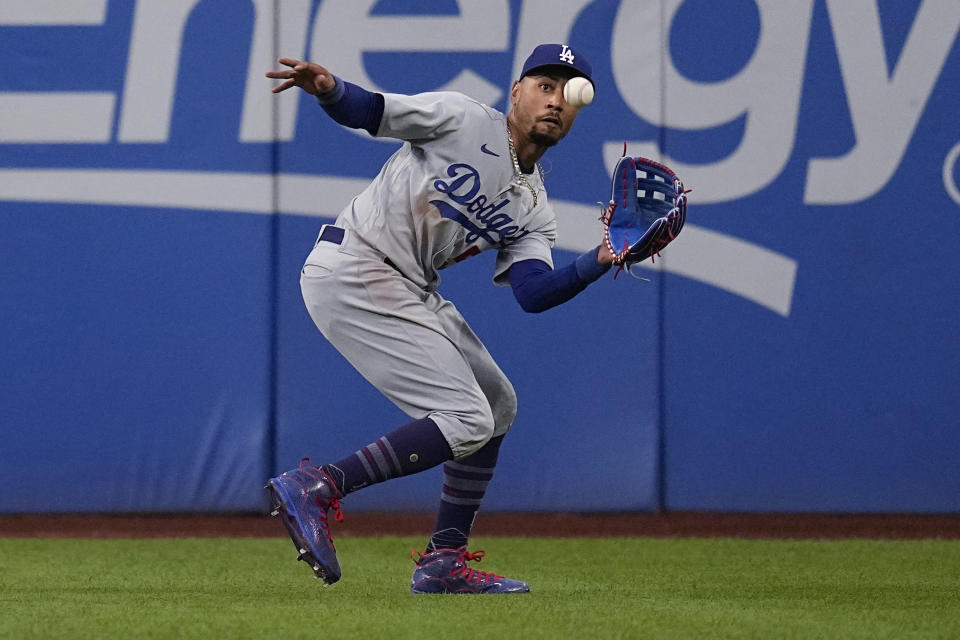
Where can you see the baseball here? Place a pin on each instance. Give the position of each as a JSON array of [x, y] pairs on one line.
[[578, 92]]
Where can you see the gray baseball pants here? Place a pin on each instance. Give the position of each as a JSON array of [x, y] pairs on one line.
[[411, 344]]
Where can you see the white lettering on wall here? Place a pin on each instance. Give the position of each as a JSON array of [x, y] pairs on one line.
[[152, 65], [886, 101], [51, 118], [884, 107], [55, 117], [288, 38], [766, 91], [52, 12], [155, 48], [344, 30], [545, 21], [948, 166]]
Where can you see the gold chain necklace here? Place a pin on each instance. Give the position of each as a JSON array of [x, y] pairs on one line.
[[516, 168]]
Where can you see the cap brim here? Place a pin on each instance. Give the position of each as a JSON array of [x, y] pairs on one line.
[[573, 71]]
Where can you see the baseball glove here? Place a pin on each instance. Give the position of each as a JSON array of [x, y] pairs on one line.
[[648, 206]]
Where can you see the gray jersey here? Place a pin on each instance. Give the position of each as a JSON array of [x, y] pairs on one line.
[[450, 191]]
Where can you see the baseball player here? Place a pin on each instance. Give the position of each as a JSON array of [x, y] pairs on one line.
[[465, 180]]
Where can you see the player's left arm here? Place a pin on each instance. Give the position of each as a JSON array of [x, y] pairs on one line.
[[537, 287]]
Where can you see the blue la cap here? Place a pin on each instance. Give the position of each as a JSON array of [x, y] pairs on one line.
[[557, 55]]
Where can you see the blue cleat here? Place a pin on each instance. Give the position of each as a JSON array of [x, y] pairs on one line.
[[302, 497], [446, 571]]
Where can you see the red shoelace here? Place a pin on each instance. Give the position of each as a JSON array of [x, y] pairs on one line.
[[334, 503], [463, 571]]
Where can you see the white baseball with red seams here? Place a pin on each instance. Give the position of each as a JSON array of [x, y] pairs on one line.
[[578, 92]]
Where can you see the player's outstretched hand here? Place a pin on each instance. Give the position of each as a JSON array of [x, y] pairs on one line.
[[309, 76], [605, 256]]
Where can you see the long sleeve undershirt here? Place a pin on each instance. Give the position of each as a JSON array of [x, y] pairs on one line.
[[353, 106], [535, 285]]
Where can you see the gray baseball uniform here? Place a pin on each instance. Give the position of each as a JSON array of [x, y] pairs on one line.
[[449, 192]]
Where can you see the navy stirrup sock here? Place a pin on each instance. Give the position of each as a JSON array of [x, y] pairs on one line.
[[411, 448], [464, 485]]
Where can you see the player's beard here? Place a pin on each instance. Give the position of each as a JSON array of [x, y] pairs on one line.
[[546, 136], [543, 139]]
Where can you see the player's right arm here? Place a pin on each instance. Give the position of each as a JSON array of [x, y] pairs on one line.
[[416, 118], [309, 76], [345, 102]]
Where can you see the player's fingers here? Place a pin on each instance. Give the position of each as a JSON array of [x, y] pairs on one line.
[[290, 62], [280, 75], [283, 87]]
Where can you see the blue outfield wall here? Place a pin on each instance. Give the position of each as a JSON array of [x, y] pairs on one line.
[[794, 349]]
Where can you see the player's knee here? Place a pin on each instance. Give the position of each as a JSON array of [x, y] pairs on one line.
[[504, 409], [466, 430], [477, 428], [480, 425], [493, 418]]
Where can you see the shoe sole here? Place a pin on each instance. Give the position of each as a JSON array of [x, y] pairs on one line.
[[278, 508], [444, 590], [467, 593]]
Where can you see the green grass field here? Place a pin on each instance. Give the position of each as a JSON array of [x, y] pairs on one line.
[[581, 588]]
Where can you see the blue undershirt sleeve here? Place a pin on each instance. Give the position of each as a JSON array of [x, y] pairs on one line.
[[353, 106], [537, 287]]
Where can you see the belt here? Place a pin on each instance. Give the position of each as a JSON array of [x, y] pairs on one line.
[[335, 235], [330, 233]]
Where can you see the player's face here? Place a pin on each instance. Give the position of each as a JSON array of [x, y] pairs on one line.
[[540, 110]]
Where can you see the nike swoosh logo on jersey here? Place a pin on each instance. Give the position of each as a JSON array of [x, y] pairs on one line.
[[483, 148]]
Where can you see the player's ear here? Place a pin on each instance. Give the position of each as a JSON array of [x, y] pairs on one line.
[[514, 92]]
